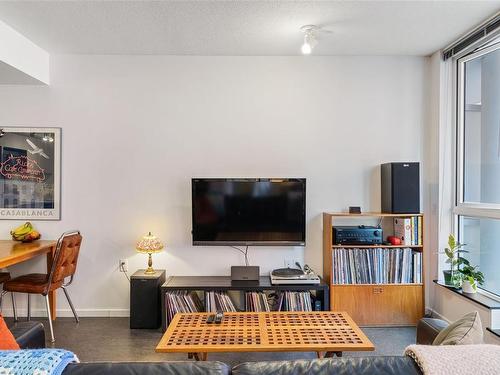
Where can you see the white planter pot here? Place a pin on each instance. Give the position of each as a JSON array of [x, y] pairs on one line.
[[467, 287]]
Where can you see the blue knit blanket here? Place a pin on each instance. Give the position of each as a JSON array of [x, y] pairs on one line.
[[35, 361]]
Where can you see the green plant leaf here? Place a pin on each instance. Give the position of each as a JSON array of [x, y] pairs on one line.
[[462, 260], [480, 277], [451, 241], [448, 253]]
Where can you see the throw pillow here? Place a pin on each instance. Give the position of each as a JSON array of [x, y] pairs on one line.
[[466, 330], [7, 340]]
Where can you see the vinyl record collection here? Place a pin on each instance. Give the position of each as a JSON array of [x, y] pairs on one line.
[[376, 266], [279, 301], [257, 301], [182, 301], [218, 301], [295, 301]]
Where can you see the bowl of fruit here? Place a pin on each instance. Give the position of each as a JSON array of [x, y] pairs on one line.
[[25, 233]]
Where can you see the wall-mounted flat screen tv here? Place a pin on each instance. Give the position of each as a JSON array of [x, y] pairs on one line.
[[245, 212]]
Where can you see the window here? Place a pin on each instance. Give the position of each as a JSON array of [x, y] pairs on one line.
[[481, 237], [477, 206]]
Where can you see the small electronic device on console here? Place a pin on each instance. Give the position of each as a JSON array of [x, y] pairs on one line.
[[354, 209], [245, 273]]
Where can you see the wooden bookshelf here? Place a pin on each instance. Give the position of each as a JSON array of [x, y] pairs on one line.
[[393, 304]]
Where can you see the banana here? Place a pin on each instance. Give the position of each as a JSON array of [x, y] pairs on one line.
[[19, 237], [22, 231], [22, 226]]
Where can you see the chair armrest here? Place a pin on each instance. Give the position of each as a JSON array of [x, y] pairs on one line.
[[29, 335], [428, 329]]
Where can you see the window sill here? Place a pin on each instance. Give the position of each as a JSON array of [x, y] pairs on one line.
[[478, 298], [496, 332]]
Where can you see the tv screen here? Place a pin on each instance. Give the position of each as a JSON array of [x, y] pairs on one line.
[[263, 211]]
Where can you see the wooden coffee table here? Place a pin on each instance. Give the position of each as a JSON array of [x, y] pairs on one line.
[[323, 332]]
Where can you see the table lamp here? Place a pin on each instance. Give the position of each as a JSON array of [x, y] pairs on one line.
[[149, 244]]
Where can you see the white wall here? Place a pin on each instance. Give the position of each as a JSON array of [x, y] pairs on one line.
[[431, 176], [21, 61], [136, 129]]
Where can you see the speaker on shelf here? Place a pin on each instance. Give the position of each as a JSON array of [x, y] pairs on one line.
[[245, 273], [145, 299], [400, 188]]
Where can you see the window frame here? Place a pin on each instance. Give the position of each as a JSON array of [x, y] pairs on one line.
[[477, 209], [461, 207]]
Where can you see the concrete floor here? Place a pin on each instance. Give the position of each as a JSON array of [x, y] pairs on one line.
[[110, 339]]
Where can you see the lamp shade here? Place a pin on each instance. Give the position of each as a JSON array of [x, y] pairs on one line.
[[149, 244]]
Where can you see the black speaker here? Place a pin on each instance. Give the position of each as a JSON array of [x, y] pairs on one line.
[[145, 299], [400, 183], [245, 273]]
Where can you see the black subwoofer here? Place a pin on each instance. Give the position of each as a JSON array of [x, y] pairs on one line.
[[400, 187], [145, 305]]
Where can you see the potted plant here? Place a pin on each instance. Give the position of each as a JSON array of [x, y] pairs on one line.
[[453, 251], [471, 277]]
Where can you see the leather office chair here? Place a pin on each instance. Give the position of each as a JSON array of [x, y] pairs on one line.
[[63, 267]]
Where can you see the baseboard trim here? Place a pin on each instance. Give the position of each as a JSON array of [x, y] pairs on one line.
[[84, 313]]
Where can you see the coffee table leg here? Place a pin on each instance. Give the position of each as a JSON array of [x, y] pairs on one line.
[[198, 356], [331, 354]]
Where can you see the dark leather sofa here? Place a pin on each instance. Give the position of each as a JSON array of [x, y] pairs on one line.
[[31, 335], [427, 330]]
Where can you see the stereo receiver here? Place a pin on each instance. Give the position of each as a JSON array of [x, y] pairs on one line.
[[357, 235]]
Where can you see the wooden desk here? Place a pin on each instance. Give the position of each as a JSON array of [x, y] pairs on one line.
[[320, 332], [13, 252]]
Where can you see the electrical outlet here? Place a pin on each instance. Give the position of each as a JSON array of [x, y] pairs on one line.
[[123, 265]]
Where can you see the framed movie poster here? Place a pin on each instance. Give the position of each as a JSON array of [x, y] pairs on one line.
[[30, 173]]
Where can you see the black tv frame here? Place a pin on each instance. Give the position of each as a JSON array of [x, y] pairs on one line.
[[249, 243]]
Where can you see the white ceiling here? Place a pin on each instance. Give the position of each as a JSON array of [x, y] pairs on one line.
[[243, 27]]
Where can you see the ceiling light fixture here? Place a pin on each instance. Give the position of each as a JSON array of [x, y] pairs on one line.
[[310, 40]]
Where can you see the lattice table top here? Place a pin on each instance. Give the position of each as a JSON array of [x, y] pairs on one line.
[[274, 331]]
